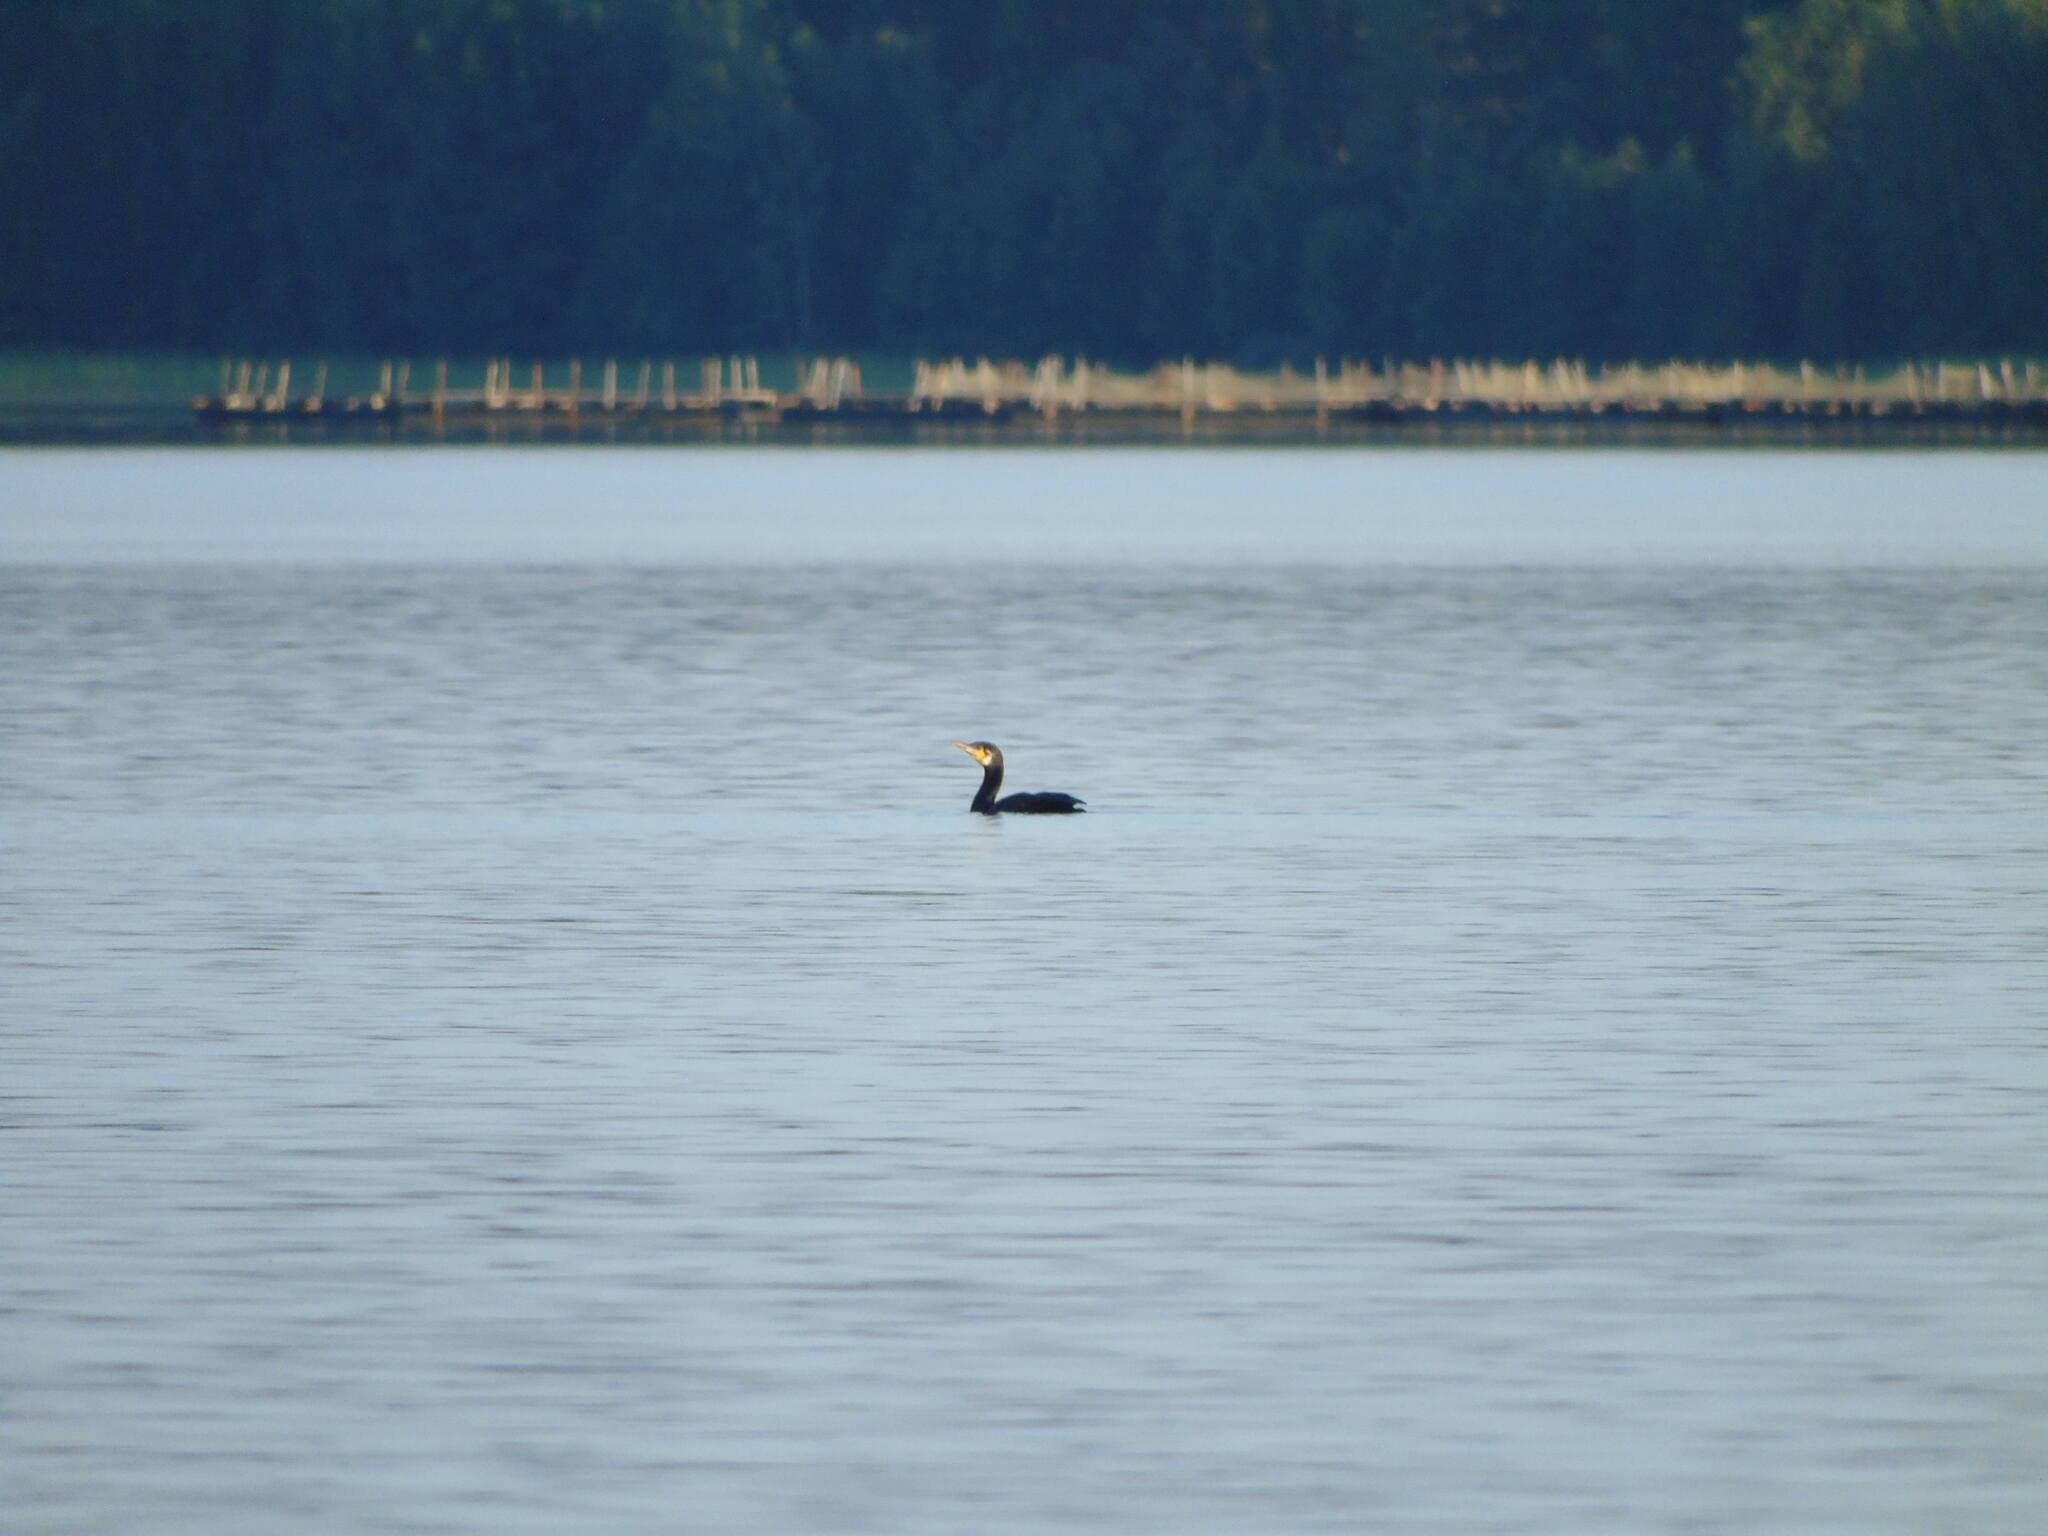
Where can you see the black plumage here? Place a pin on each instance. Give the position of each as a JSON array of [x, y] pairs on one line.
[[1042, 803]]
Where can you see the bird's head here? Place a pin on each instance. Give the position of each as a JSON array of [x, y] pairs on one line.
[[984, 753]]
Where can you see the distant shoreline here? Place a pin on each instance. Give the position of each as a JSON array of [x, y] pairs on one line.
[[85, 426], [82, 400], [119, 426]]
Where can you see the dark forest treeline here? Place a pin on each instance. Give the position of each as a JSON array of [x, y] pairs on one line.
[[1123, 178]]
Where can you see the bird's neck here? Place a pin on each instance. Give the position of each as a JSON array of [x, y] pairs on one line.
[[991, 781]]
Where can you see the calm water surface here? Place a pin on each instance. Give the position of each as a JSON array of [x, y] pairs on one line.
[[508, 1026]]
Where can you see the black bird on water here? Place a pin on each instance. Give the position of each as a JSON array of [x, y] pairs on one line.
[[990, 757]]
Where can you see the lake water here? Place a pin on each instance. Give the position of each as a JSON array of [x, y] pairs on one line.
[[508, 1025]]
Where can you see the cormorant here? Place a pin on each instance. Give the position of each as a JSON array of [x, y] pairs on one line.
[[990, 757]]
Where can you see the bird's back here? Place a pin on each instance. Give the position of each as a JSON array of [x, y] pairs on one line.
[[1040, 804]]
